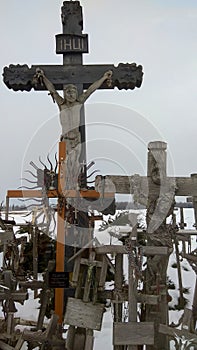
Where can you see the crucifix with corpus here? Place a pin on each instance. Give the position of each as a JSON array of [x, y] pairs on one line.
[[70, 108], [73, 78]]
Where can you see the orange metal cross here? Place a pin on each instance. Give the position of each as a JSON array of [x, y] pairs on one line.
[[60, 243]]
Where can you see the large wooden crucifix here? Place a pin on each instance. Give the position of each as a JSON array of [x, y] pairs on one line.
[[72, 44]]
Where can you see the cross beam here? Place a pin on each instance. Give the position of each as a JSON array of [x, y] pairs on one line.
[[184, 186], [54, 194], [125, 76]]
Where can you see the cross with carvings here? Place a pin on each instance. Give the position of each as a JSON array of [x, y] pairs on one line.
[[72, 44]]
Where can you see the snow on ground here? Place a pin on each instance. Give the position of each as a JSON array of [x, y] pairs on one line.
[[103, 339]]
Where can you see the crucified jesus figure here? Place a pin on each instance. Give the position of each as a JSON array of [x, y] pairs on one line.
[[70, 107]]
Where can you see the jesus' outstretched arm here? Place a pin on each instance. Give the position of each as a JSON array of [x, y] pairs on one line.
[[96, 85], [40, 76]]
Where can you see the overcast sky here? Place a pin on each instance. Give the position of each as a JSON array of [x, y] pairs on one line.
[[160, 35]]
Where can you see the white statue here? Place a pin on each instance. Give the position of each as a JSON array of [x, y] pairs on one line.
[[70, 107]]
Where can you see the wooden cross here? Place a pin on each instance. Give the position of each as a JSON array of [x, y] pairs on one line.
[[9, 286], [8, 297], [72, 44]]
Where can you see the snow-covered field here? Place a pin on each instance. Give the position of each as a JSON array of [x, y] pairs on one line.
[[103, 339]]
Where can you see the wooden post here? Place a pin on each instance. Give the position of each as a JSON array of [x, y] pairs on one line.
[[194, 181], [89, 342], [182, 222], [7, 207], [160, 201], [44, 302], [179, 269], [34, 236], [118, 281], [194, 196], [19, 343], [132, 291], [194, 306], [60, 244], [10, 323]]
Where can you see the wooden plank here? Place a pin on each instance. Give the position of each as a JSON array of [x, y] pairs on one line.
[[76, 269], [174, 331], [103, 272], [19, 343], [185, 186], [123, 296], [40, 336], [133, 333], [6, 237], [187, 319], [186, 232], [109, 249], [31, 284], [183, 239], [84, 315], [148, 299], [123, 184], [78, 340], [151, 250], [190, 257], [120, 249], [71, 337], [52, 326], [16, 296]]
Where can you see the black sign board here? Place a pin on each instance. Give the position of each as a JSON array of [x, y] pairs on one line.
[[58, 280], [71, 43]]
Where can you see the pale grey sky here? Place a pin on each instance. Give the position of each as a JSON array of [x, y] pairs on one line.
[[160, 35]]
